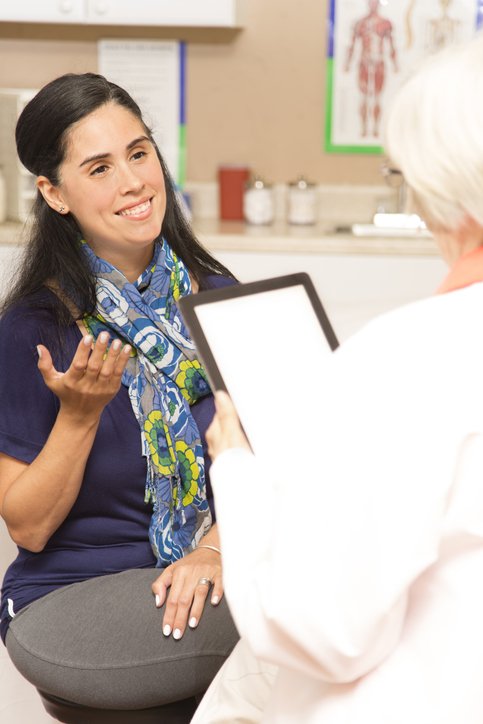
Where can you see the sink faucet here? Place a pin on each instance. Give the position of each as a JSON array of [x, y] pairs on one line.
[[395, 180]]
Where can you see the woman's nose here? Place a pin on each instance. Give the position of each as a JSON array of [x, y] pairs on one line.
[[129, 180]]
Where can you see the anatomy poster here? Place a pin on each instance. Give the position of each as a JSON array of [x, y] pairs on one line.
[[373, 45]]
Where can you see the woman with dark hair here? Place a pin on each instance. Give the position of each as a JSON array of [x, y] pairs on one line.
[[103, 462]]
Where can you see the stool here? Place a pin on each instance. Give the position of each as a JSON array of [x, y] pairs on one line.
[[179, 712]]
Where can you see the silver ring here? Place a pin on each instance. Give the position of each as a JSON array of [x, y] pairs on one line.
[[205, 582]]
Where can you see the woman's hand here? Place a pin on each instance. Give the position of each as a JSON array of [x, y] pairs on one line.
[[92, 380], [187, 594], [225, 430]]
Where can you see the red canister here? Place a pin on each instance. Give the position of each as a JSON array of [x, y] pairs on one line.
[[231, 182]]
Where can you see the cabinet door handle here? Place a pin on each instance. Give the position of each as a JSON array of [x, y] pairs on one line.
[[65, 6], [101, 7]]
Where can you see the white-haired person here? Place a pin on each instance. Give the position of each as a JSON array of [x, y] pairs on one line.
[[362, 601]]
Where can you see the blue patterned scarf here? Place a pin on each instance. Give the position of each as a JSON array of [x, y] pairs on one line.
[[164, 378]]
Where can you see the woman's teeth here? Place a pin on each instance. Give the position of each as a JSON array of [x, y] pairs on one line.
[[135, 210]]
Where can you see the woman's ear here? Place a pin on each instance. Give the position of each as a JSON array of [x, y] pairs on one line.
[[52, 195]]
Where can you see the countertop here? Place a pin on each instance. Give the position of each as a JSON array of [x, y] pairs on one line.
[[281, 238]]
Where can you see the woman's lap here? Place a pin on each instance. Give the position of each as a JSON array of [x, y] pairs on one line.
[[100, 643]]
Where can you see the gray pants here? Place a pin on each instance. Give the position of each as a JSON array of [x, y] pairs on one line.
[[99, 643]]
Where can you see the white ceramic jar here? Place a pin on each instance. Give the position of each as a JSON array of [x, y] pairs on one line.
[[258, 205], [302, 202]]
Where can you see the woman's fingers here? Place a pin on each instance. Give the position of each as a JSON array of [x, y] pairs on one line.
[[100, 362], [115, 360], [217, 591], [202, 590], [108, 360], [160, 589], [225, 430], [79, 363], [96, 358], [185, 587], [93, 377], [225, 407], [177, 606], [206, 588], [122, 358], [213, 437]]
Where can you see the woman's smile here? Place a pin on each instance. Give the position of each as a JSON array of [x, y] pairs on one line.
[[139, 211]]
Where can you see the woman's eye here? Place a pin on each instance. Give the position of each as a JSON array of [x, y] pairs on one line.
[[138, 155], [98, 170]]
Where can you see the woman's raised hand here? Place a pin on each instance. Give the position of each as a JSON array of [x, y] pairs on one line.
[[93, 378]]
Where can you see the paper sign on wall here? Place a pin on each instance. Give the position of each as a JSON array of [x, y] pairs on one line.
[[152, 71]]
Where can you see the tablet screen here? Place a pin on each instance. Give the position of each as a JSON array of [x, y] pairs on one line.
[[265, 343]]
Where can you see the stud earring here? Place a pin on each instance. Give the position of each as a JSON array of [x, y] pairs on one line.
[[61, 209]]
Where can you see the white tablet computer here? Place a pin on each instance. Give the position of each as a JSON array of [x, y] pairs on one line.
[[265, 343]]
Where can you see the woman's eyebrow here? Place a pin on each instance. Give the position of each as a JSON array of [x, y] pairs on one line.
[[137, 140], [100, 156]]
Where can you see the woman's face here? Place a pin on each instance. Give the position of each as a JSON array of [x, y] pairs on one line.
[[112, 182]]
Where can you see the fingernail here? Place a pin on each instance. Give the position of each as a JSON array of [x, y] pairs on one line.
[[116, 344], [167, 630], [103, 337], [157, 600], [177, 634], [127, 349], [39, 352], [215, 600], [193, 622], [88, 340]]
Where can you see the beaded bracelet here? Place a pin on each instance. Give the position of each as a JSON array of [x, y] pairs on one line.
[[212, 548]]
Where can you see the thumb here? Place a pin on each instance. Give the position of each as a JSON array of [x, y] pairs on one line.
[[224, 406], [45, 364], [227, 430]]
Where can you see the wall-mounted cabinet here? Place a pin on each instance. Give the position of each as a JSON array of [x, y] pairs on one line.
[[189, 13], [46, 11]]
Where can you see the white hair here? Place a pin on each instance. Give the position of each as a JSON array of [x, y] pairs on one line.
[[434, 135]]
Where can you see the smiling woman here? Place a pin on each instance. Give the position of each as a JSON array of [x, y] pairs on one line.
[[113, 185], [103, 460]]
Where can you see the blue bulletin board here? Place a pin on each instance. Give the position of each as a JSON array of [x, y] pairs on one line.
[[372, 46]]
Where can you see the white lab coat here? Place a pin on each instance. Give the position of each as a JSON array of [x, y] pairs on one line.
[[359, 573]]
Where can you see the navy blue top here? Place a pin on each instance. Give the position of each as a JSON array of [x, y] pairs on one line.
[[106, 530]]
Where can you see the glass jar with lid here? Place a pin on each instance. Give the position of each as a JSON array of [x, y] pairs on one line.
[[302, 202], [258, 204]]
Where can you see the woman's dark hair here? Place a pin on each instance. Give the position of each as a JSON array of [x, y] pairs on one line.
[[52, 252]]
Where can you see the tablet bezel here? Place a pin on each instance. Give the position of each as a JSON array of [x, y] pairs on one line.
[[188, 305]]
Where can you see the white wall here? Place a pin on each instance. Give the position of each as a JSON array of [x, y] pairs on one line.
[[353, 287]]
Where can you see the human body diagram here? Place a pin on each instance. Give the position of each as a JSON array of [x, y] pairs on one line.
[[374, 35]]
